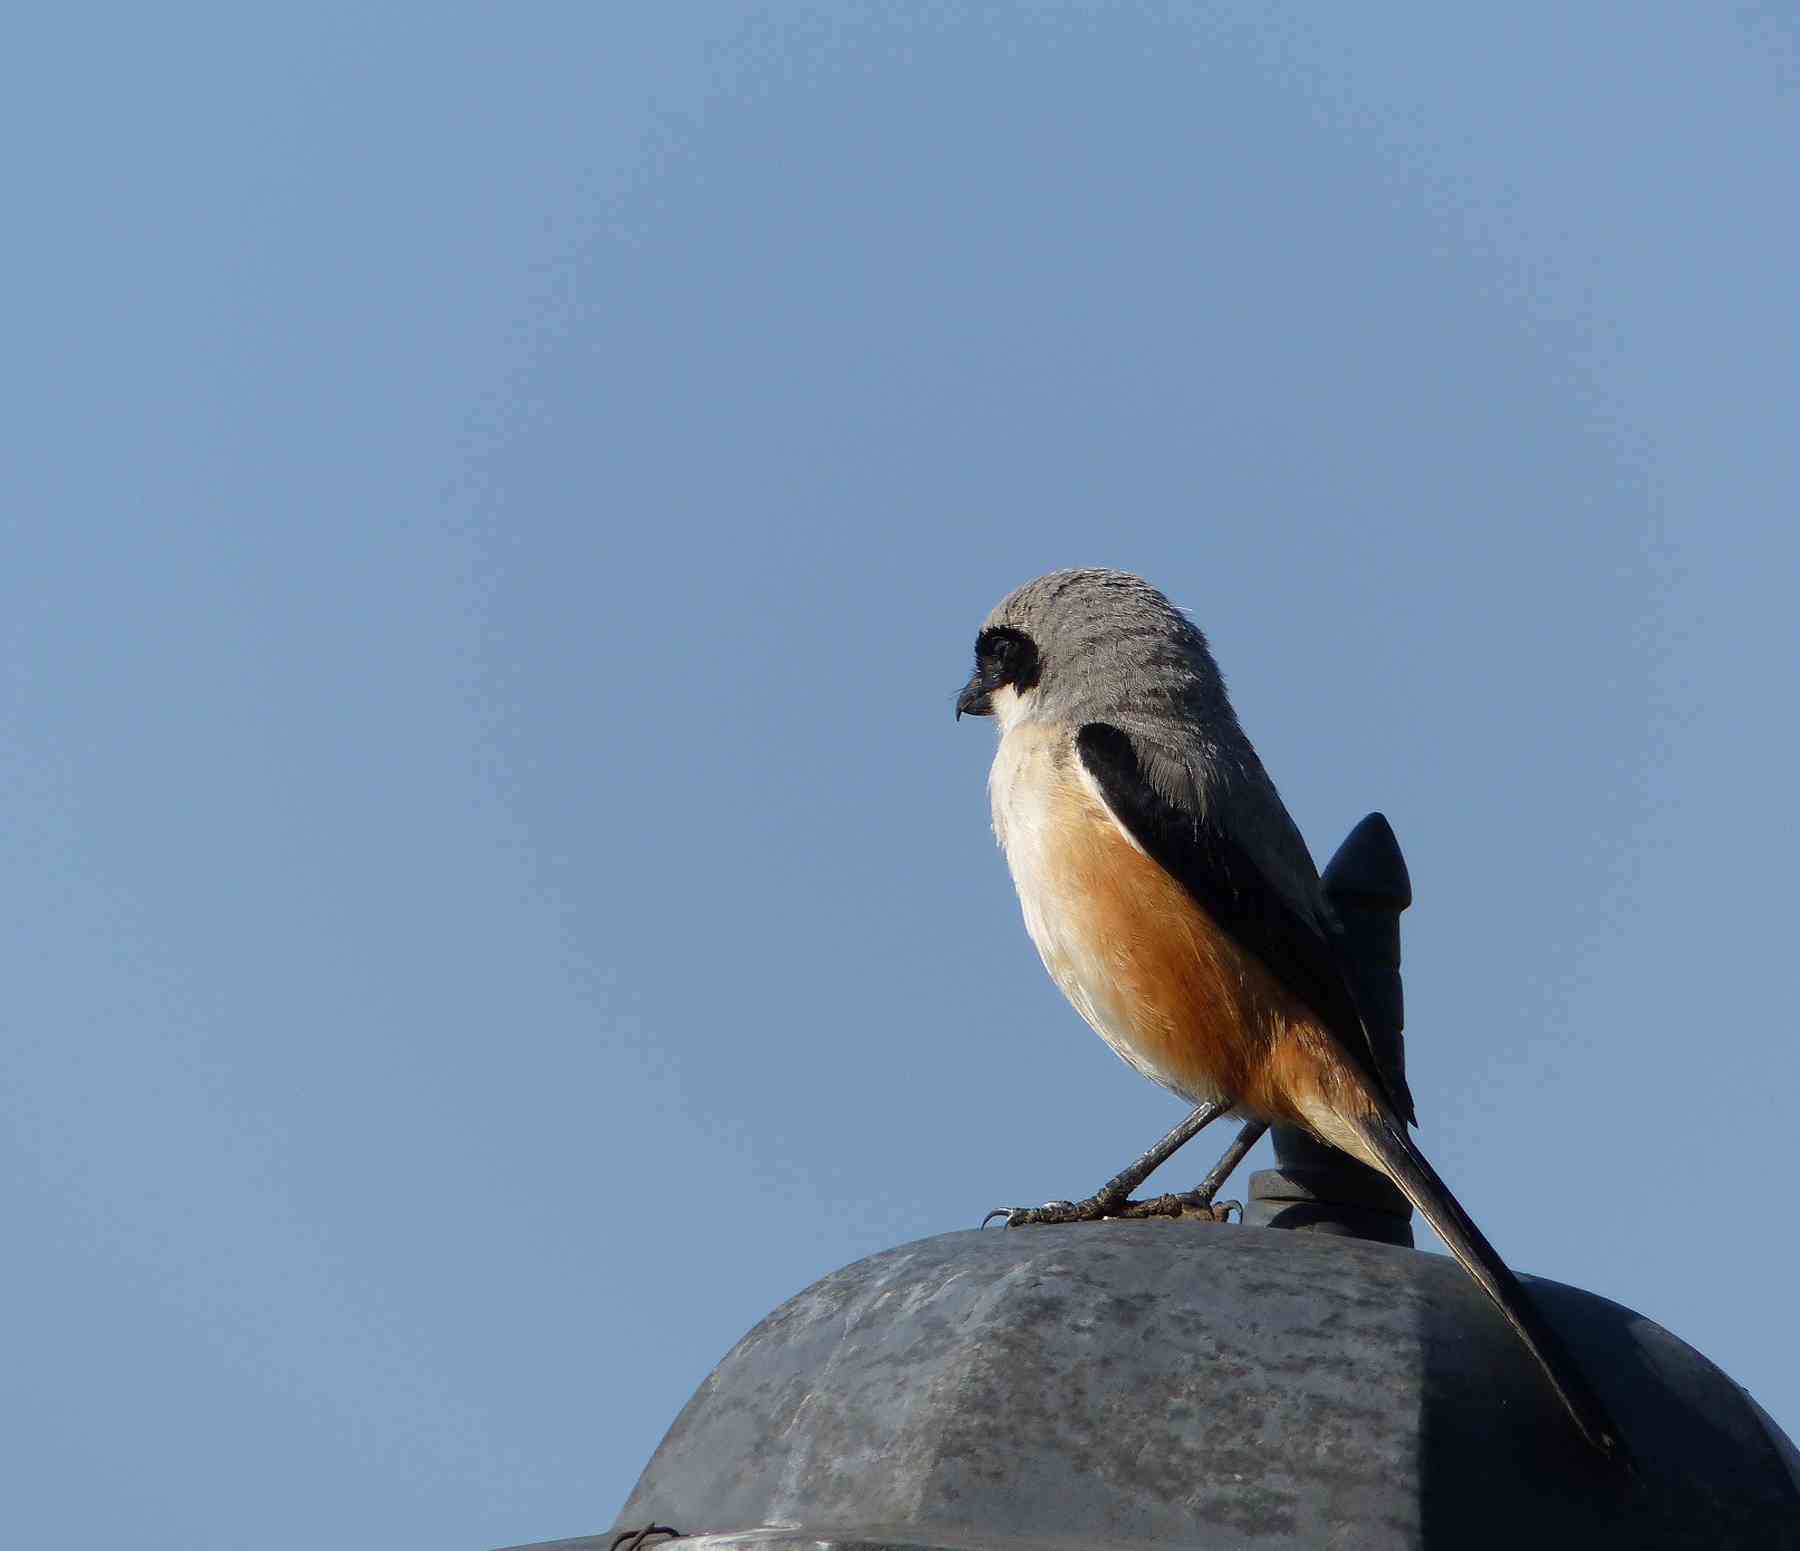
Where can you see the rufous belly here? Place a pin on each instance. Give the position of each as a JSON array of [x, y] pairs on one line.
[[1144, 963]]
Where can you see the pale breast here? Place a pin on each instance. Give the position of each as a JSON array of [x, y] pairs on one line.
[[1128, 947], [1032, 821]]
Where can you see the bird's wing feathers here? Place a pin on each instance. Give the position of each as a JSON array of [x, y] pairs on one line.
[[1267, 909]]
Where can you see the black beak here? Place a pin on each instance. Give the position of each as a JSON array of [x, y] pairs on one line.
[[973, 698]]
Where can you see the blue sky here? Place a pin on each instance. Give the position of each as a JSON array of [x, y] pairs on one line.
[[497, 502]]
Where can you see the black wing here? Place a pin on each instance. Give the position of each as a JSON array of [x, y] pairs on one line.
[[1225, 879]]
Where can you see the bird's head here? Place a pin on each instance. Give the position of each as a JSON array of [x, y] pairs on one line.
[[1083, 645]]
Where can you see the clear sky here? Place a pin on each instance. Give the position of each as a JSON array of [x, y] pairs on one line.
[[497, 502]]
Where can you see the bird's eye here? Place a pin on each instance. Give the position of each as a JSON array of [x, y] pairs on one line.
[[1005, 656]]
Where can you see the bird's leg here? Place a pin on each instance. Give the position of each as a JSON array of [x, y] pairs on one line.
[[1200, 1198], [1106, 1201]]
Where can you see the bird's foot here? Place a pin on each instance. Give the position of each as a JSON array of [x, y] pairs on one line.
[[1192, 1205], [1093, 1209], [1195, 1205]]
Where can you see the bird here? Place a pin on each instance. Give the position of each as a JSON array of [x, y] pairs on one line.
[[1175, 904]]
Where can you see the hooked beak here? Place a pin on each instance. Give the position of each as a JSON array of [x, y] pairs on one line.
[[973, 698]]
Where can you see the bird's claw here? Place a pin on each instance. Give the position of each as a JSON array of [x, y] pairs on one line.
[[1091, 1210], [1191, 1203]]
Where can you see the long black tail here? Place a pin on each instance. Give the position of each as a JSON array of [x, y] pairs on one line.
[[1406, 1166]]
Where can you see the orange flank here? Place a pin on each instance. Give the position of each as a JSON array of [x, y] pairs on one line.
[[1145, 963]]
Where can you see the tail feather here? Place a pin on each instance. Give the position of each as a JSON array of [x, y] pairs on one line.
[[1403, 1163]]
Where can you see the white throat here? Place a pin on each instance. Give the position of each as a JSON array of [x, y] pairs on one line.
[[1010, 707]]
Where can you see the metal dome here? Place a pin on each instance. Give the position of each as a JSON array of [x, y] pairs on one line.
[[1182, 1384], [1178, 1383]]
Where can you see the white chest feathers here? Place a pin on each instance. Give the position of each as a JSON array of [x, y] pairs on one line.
[[1045, 810]]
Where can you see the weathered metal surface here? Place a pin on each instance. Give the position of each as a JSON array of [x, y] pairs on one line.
[[1134, 1384]]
